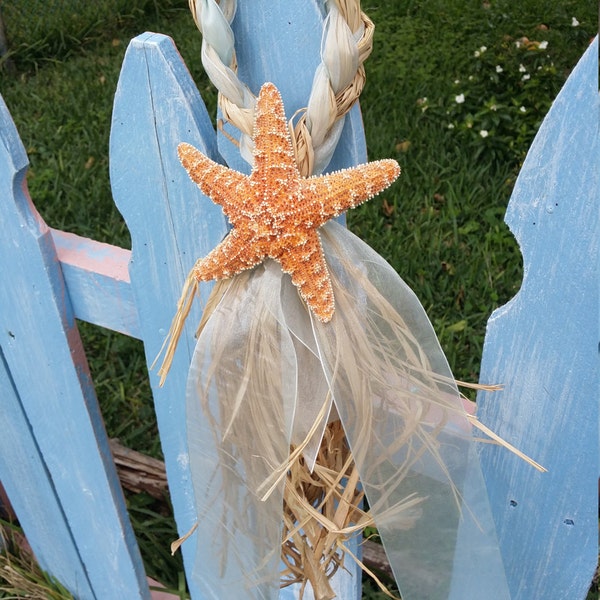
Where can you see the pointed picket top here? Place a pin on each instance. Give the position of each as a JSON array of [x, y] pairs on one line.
[[542, 346], [78, 482], [22, 467], [172, 224]]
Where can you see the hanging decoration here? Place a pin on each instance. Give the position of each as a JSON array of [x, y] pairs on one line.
[[318, 382]]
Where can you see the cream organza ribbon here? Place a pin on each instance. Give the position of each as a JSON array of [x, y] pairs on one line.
[[266, 375]]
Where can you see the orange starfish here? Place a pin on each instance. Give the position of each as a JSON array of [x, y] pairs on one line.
[[275, 213]]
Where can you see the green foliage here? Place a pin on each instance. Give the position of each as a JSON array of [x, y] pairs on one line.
[[499, 102], [20, 575], [155, 530], [441, 224], [56, 29]]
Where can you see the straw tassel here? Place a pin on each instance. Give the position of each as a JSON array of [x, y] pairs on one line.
[[378, 360], [184, 305]]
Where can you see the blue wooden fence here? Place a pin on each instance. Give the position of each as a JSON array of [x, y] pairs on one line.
[[54, 458], [543, 346]]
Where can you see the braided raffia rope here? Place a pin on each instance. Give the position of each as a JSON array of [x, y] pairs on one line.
[[320, 513], [338, 81]]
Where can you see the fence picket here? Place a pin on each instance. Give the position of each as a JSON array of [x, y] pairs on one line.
[[277, 42], [171, 225], [29, 486], [49, 379], [543, 347]]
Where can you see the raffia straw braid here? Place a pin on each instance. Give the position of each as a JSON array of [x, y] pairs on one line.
[[339, 79], [337, 84], [237, 102]]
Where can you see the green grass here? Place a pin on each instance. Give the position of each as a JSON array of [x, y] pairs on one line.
[[440, 226], [446, 235]]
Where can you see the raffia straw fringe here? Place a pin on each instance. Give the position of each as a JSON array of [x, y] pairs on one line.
[[177, 543], [496, 439], [320, 512], [280, 472], [371, 574], [184, 305], [322, 508], [219, 289], [486, 387]]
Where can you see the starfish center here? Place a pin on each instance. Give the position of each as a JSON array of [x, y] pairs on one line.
[[274, 212]]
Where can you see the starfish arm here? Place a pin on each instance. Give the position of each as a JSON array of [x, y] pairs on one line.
[[217, 181], [275, 212], [273, 152], [308, 269], [232, 256], [330, 195]]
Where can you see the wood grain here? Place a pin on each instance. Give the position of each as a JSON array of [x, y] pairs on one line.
[[543, 347]]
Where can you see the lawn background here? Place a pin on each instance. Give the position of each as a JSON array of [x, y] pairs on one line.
[[455, 92]]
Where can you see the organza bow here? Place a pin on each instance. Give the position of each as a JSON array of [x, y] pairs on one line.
[[296, 414]]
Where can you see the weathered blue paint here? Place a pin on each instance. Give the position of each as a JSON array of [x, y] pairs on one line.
[[49, 379], [171, 225], [543, 347], [29, 486], [97, 278]]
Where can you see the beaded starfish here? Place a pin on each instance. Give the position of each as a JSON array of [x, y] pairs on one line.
[[275, 213]]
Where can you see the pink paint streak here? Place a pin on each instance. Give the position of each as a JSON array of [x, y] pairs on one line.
[[89, 255]]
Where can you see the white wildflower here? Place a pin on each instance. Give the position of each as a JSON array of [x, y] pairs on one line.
[[574, 22], [450, 125], [499, 69], [523, 109], [484, 133], [522, 68], [526, 77], [459, 99], [543, 45]]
